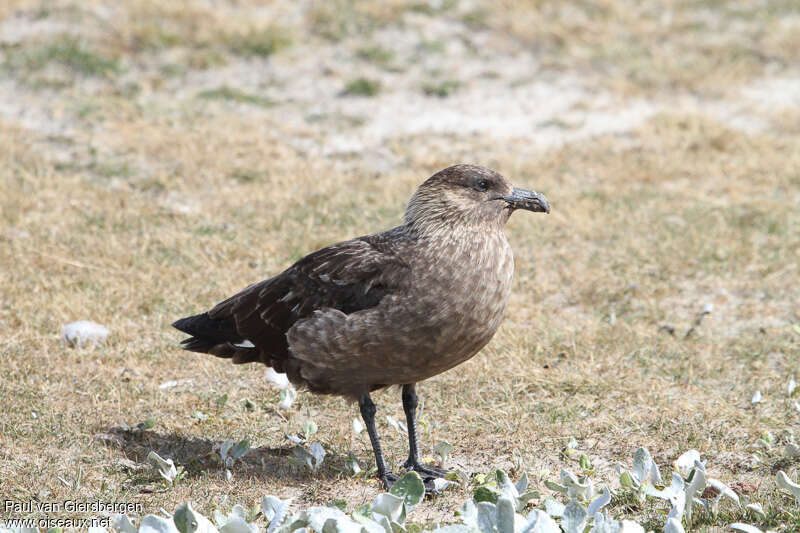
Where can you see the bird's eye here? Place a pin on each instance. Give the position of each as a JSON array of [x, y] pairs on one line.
[[482, 185]]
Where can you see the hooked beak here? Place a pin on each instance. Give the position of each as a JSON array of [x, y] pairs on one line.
[[525, 199]]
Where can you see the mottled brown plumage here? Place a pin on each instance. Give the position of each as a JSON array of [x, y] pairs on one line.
[[393, 308]]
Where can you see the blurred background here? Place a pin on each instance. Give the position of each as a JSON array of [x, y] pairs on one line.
[[157, 156]]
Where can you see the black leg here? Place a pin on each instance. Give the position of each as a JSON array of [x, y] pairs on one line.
[[368, 414], [414, 462]]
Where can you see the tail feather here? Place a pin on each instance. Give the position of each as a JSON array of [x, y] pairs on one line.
[[216, 337]]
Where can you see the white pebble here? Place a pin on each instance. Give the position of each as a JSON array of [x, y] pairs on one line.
[[84, 332]]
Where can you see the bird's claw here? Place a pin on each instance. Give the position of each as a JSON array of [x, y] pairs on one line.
[[425, 471], [428, 481]]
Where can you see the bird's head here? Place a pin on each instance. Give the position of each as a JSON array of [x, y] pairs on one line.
[[469, 195]]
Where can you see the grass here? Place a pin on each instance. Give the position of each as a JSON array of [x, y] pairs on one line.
[[442, 89], [362, 87], [71, 53], [135, 209], [260, 42], [234, 95]]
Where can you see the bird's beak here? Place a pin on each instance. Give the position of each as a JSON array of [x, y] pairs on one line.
[[525, 199]]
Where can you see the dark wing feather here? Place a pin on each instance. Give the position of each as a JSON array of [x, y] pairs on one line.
[[349, 276]]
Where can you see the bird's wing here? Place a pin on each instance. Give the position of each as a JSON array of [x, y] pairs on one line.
[[350, 276]]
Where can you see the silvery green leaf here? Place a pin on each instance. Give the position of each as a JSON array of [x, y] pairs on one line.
[[344, 525], [574, 518], [507, 488], [582, 488], [384, 522], [792, 450], [318, 454], [410, 489], [287, 397], [696, 486], [316, 517], [19, 529], [274, 510], [469, 514], [236, 522], [505, 515], [790, 388], [686, 461], [309, 428], [724, 490], [155, 524], [540, 522], [554, 508], [676, 487], [603, 525], [600, 502], [785, 483], [673, 525], [522, 484], [746, 528], [187, 520], [525, 498], [122, 523], [756, 397], [352, 464], [756, 508], [641, 464], [224, 450], [439, 484], [302, 456], [358, 427], [552, 485], [399, 426], [629, 526], [388, 505], [165, 467], [627, 481], [644, 468], [368, 523], [487, 517], [457, 528], [241, 449], [485, 494], [678, 502], [442, 450], [295, 439], [269, 505]]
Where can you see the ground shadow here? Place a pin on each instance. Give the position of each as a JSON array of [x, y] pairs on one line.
[[199, 456]]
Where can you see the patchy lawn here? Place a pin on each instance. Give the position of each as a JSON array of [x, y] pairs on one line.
[[154, 159]]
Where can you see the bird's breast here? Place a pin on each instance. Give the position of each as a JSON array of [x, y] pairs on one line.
[[462, 302]]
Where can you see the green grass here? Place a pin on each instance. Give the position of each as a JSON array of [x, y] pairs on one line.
[[234, 95], [262, 42], [72, 53], [441, 89], [362, 87]]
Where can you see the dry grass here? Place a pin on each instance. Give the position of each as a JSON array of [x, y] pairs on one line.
[[132, 198]]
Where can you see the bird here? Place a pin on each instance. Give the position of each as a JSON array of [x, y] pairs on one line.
[[388, 309]]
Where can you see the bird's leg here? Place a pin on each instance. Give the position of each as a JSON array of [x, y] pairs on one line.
[[414, 462], [368, 409]]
